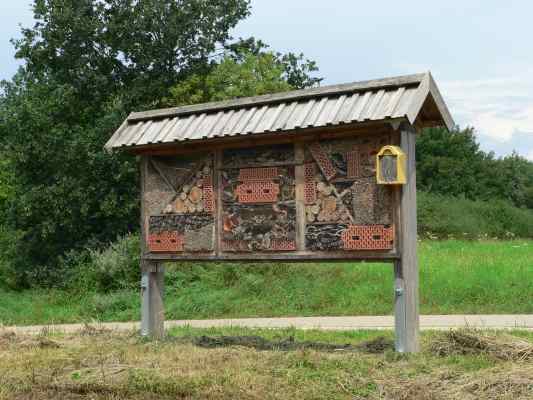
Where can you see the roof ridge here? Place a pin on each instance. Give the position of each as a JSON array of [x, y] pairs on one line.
[[294, 95]]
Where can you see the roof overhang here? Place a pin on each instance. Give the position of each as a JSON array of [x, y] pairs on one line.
[[414, 98]]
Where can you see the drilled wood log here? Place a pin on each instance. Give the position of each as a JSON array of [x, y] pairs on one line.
[[179, 206], [329, 204], [195, 195]]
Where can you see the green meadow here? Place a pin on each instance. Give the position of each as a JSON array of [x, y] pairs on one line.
[[456, 277]]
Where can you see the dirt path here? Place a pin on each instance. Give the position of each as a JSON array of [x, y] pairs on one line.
[[438, 322]]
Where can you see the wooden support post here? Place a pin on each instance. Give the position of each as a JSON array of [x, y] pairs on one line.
[[152, 275], [406, 268], [152, 289]]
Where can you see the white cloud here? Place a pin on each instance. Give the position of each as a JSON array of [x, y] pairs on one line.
[[499, 108], [501, 127]]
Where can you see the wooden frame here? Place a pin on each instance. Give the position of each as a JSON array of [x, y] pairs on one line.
[[301, 254], [402, 256]]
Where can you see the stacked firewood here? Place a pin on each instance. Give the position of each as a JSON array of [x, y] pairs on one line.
[[190, 198], [328, 206]]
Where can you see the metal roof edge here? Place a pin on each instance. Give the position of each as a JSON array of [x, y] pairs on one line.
[[116, 135], [270, 134], [441, 105], [429, 87], [301, 94], [418, 100]]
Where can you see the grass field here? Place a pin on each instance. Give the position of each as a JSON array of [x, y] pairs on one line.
[[483, 277], [320, 365]]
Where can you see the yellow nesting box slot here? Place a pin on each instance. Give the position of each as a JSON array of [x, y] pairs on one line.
[[391, 166]]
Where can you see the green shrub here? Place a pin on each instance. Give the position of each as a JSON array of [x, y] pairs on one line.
[[113, 268], [9, 278], [443, 217], [117, 266]]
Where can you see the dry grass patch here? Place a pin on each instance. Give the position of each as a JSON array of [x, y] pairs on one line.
[[501, 346], [107, 365], [506, 382]]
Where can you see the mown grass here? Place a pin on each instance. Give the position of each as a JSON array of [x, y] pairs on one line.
[[456, 276], [106, 365]]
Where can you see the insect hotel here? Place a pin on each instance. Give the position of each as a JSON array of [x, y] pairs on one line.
[[322, 174]]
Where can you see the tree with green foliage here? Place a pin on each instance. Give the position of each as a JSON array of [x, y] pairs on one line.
[[449, 162], [103, 46], [87, 64], [297, 70], [513, 178], [452, 164], [251, 75]]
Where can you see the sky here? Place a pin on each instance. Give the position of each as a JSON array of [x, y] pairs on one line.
[[480, 52]]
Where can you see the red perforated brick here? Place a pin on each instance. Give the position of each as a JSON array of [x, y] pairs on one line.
[[309, 193], [368, 153], [168, 242], [324, 163], [352, 161], [234, 245], [258, 192], [258, 174], [208, 197], [309, 185], [309, 172], [368, 237], [282, 245]]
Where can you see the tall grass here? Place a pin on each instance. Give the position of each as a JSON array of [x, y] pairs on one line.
[[456, 276]]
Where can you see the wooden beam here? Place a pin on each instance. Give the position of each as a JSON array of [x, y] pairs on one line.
[[260, 164], [406, 268], [299, 177], [143, 165], [294, 256]]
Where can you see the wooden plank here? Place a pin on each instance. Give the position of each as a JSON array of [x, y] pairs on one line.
[[299, 176], [400, 328], [145, 302], [397, 199], [406, 268], [157, 167], [217, 185]]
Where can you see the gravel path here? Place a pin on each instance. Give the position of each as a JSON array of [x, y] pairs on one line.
[[436, 322]]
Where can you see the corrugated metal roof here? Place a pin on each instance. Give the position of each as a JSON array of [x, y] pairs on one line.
[[391, 98]]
